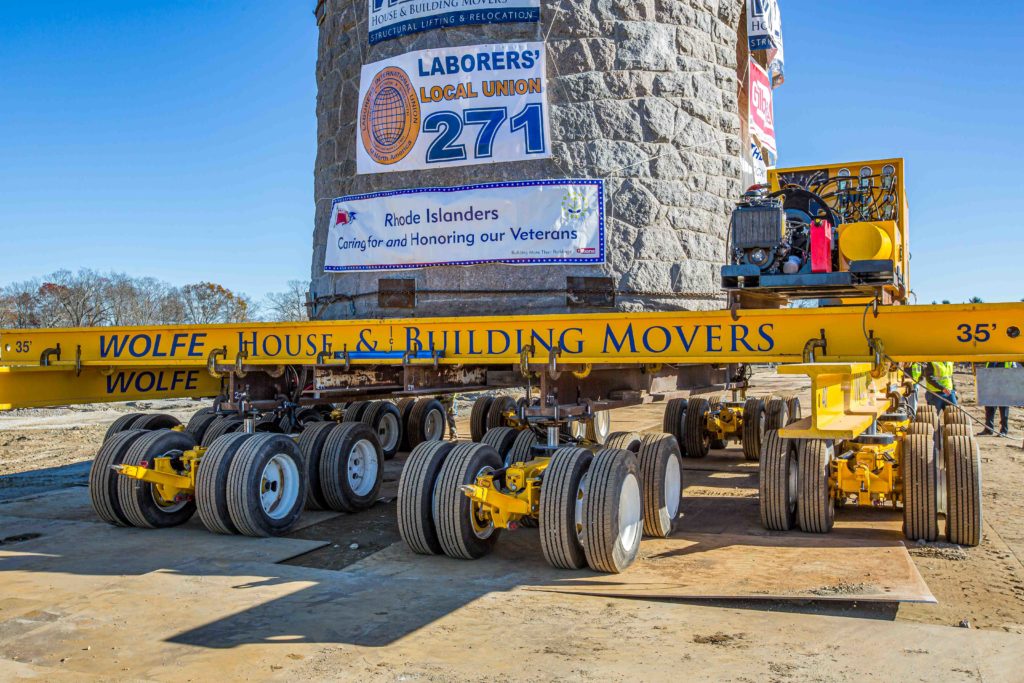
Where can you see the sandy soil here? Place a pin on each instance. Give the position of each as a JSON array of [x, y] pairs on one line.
[[980, 587]]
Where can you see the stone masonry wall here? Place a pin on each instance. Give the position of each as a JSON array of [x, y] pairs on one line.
[[642, 93]]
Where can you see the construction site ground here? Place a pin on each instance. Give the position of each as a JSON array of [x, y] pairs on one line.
[[342, 598]]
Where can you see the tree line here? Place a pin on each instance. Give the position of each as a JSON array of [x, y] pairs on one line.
[[88, 298]]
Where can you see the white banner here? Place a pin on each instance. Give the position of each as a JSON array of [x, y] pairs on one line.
[[527, 222], [396, 18], [453, 107]]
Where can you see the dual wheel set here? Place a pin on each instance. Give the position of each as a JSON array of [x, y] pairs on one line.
[[594, 504], [939, 472], [700, 424], [255, 484], [490, 412]]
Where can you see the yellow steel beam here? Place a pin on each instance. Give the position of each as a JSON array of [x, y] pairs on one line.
[[844, 401], [910, 333]]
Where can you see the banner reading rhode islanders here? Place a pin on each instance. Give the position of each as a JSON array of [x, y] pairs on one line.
[[453, 107], [527, 222], [396, 18]]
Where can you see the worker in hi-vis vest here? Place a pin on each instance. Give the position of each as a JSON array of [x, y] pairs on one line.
[[915, 374], [990, 411], [937, 378]]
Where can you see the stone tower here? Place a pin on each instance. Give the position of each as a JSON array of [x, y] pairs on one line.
[[642, 94]]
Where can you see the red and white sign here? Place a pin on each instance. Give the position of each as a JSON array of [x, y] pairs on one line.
[[759, 105]]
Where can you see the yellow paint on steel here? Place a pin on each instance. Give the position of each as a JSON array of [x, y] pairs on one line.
[[845, 400]]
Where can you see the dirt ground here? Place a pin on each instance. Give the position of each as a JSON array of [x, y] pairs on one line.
[[980, 588]]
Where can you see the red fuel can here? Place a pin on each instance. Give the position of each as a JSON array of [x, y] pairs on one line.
[[821, 246]]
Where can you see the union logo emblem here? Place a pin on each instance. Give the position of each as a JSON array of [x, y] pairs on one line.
[[389, 120]]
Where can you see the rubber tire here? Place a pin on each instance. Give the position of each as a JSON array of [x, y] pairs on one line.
[[815, 508], [103, 480], [920, 504], [611, 470], [522, 447], [311, 443], [212, 483], [122, 424], [269, 424], [964, 520], [334, 458], [225, 424], [136, 497], [154, 421], [355, 411], [373, 418], [920, 428], [627, 441], [698, 441], [404, 406], [753, 410], [200, 422], [452, 509], [927, 414], [956, 429], [478, 417], [953, 415], [244, 478], [418, 420], [779, 474], [658, 457], [416, 496], [559, 538], [501, 439], [793, 408], [496, 413], [776, 414], [673, 421]]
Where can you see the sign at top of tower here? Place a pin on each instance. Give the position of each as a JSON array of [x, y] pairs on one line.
[[396, 18]]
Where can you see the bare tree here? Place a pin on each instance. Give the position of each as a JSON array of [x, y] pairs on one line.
[[69, 299], [205, 303], [289, 305]]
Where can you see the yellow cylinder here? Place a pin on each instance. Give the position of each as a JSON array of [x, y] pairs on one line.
[[865, 242]]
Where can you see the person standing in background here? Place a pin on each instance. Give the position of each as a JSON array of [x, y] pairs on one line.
[[451, 410], [938, 380]]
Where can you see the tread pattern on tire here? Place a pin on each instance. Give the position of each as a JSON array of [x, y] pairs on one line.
[[610, 467], [103, 480], [793, 408], [418, 416], [451, 506], [404, 406], [122, 424], [416, 496], [355, 410], [774, 488], [478, 417], [627, 441], [698, 443], [672, 422], [500, 439], [155, 421], [953, 415], [815, 507], [964, 520], [334, 467], [753, 416], [559, 539], [776, 414], [211, 483], [496, 413], [658, 453], [225, 424], [927, 414], [920, 518], [373, 414], [311, 443], [522, 447], [200, 422]]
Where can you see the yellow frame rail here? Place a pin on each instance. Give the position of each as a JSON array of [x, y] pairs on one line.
[[40, 367]]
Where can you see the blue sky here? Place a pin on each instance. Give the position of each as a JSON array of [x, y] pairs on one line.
[[177, 139]]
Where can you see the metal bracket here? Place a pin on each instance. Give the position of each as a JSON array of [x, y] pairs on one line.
[[211, 362], [812, 344], [44, 357], [553, 353], [239, 364], [524, 360], [78, 361]]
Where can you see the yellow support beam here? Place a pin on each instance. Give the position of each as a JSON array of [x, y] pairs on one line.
[[844, 401]]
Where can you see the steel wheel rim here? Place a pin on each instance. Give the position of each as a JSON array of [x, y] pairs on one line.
[[581, 494], [433, 425], [481, 529], [362, 469], [602, 425], [166, 506], [630, 512], [279, 486], [673, 487], [388, 432]]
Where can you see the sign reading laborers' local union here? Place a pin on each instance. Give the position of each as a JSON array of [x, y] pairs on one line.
[[453, 107], [395, 18], [529, 222]]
